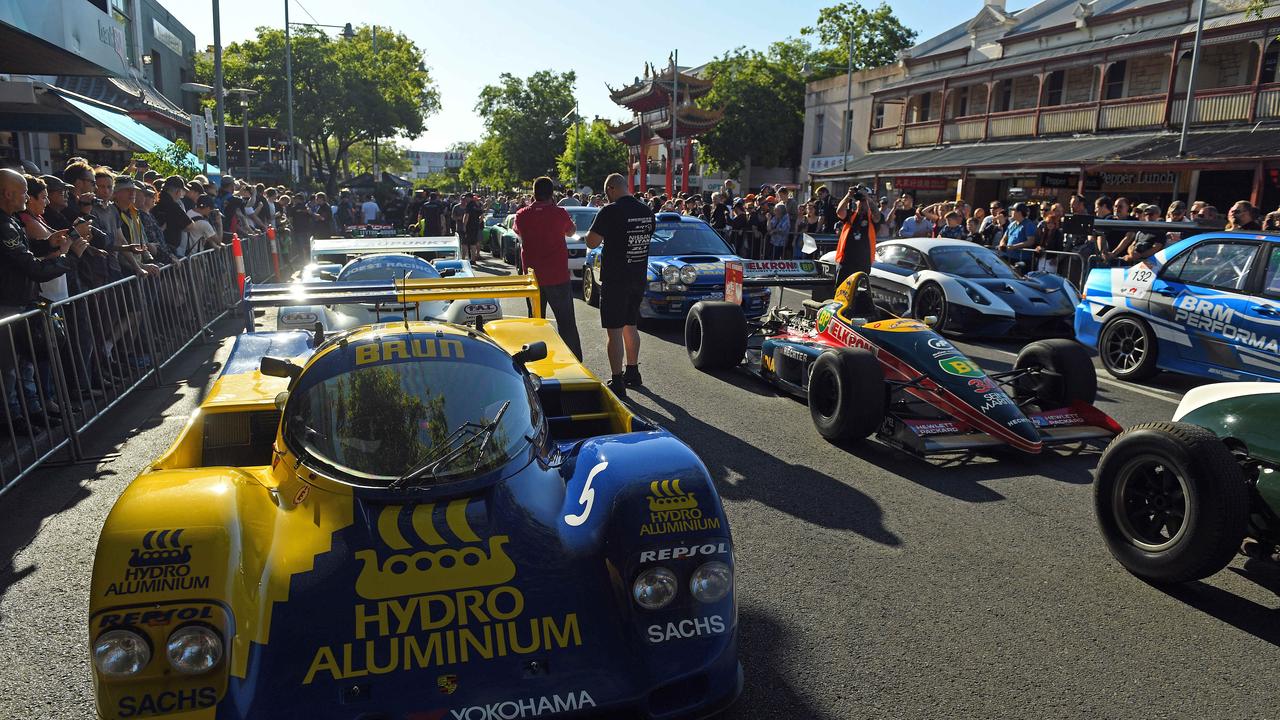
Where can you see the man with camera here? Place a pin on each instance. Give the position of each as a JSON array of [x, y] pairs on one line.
[[857, 241]]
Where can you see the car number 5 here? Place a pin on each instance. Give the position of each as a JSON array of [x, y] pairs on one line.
[[587, 498]]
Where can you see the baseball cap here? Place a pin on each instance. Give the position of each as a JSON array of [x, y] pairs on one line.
[[54, 183], [195, 186], [205, 201]]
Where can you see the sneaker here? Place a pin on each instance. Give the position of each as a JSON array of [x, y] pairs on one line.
[[618, 386], [632, 376]]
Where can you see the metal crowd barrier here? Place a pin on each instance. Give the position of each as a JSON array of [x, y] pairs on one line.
[[84, 355], [1070, 265]]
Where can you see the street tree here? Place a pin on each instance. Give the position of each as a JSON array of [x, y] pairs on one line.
[[878, 36], [344, 92], [392, 158], [486, 165], [762, 96], [523, 117], [591, 154]]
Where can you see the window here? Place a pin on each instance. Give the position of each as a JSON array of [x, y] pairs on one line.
[[961, 106], [923, 106], [848, 130], [1223, 265], [1113, 85], [1271, 285], [818, 121], [157, 78], [1270, 62], [1004, 95], [1053, 88], [878, 120]]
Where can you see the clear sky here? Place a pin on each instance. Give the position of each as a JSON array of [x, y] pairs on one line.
[[469, 44]]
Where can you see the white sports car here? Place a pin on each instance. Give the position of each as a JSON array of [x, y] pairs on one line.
[[969, 288]]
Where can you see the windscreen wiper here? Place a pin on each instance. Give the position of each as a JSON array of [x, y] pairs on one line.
[[447, 451]]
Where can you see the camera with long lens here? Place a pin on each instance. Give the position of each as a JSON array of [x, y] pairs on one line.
[[862, 192]]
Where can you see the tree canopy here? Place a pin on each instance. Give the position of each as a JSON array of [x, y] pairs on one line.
[[343, 91], [877, 38], [762, 95], [525, 121], [593, 153], [487, 165]]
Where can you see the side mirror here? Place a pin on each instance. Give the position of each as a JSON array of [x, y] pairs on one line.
[[930, 320], [530, 353], [448, 272], [278, 367], [1020, 266]]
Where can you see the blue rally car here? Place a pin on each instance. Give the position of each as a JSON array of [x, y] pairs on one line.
[[686, 265], [1207, 305]]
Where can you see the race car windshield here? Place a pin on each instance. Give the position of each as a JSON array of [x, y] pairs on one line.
[[686, 240], [582, 219], [415, 402], [970, 262]]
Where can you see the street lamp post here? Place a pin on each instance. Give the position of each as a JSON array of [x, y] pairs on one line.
[[217, 87], [244, 94]]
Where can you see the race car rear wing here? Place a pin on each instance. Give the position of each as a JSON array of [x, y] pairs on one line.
[[348, 247], [392, 292], [1090, 225], [784, 273]]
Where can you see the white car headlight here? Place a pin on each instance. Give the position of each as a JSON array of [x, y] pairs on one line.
[[655, 588], [688, 274], [711, 582], [121, 653], [194, 649], [671, 274]]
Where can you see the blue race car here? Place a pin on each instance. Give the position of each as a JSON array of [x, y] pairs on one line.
[[419, 521], [1207, 305], [686, 265]]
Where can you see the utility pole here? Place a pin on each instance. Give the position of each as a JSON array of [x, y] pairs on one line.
[[288, 91], [675, 95], [1191, 83], [846, 126], [218, 95], [377, 176]]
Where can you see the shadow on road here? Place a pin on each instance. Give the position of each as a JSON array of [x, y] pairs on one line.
[[767, 693], [797, 490], [1241, 613]]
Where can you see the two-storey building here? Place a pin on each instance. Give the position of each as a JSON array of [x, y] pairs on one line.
[[1083, 96]]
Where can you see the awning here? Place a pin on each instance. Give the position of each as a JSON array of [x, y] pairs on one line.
[[131, 131], [1218, 146]]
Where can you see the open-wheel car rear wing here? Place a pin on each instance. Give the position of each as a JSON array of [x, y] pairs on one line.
[[400, 292], [784, 273], [1090, 225]]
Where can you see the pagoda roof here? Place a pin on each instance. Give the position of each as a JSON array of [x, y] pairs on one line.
[[691, 121], [655, 89]]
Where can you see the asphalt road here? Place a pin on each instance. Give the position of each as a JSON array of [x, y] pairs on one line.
[[870, 583]]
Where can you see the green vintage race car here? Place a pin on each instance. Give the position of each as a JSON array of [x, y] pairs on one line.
[[1177, 500], [499, 240]]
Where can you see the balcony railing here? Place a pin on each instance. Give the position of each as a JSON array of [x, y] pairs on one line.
[[1216, 106]]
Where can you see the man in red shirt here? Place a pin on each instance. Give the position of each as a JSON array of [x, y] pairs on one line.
[[542, 228]]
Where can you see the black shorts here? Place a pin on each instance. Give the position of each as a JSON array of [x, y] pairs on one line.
[[620, 303]]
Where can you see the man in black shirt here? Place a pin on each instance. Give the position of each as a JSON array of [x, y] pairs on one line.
[[170, 213], [625, 227], [432, 215], [826, 211]]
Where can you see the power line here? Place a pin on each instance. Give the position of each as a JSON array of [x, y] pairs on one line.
[[305, 10]]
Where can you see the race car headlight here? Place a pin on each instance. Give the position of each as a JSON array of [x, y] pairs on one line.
[[655, 588], [670, 275], [974, 295], [194, 649], [688, 275], [711, 582], [657, 287], [121, 653]]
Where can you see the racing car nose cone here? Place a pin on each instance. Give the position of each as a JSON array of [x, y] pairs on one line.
[[1024, 428]]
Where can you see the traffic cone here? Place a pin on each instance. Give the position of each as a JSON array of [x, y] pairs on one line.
[[275, 251], [238, 254]]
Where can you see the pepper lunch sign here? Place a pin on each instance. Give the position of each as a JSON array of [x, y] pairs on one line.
[[432, 602]]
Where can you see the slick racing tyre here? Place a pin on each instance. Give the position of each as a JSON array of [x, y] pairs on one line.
[[847, 394], [1127, 347], [590, 290], [1067, 375], [1172, 502], [715, 334], [930, 300]]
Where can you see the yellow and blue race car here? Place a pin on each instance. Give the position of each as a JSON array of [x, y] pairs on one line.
[[415, 520]]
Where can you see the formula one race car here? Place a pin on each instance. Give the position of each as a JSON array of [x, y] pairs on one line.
[[415, 520], [866, 373], [346, 310], [1206, 305], [970, 289], [1176, 501]]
